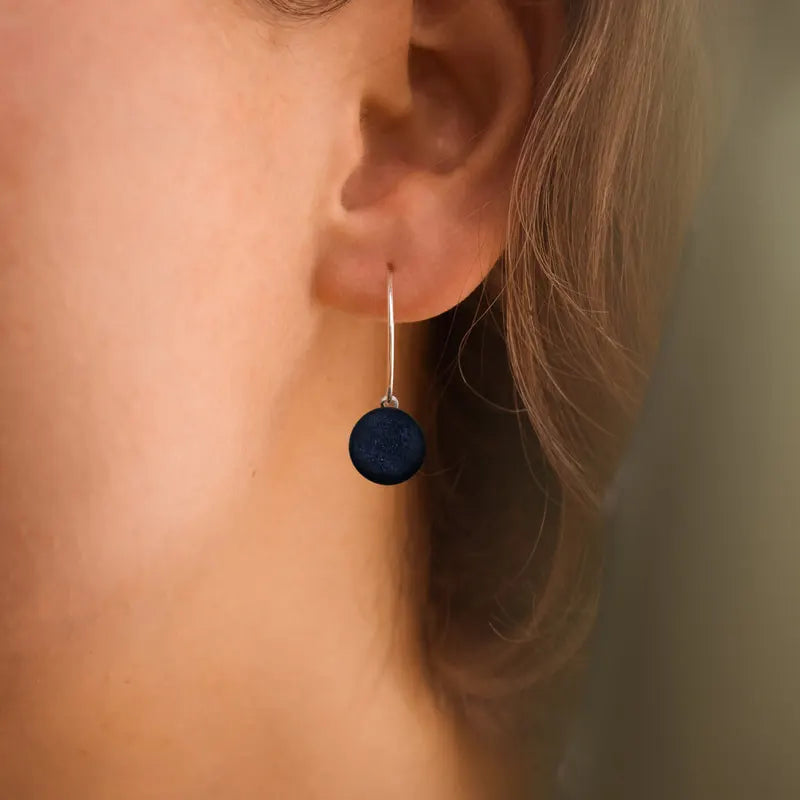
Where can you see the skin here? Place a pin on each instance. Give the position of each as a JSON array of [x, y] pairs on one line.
[[199, 597]]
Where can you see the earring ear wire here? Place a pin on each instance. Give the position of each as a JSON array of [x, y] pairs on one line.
[[387, 445], [389, 399]]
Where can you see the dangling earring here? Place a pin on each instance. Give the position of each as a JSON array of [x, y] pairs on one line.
[[387, 445]]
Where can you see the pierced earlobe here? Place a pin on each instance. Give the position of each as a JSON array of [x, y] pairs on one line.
[[387, 446]]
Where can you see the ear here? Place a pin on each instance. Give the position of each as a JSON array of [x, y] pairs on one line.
[[430, 192]]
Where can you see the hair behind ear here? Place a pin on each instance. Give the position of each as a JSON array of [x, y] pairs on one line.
[[555, 350]]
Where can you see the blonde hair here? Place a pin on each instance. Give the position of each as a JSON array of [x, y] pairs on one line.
[[554, 351]]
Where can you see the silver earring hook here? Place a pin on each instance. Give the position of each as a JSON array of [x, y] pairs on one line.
[[390, 399]]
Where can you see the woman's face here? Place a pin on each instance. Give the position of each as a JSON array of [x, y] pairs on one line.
[[188, 202], [163, 179], [174, 177]]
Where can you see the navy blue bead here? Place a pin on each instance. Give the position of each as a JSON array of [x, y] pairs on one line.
[[387, 446]]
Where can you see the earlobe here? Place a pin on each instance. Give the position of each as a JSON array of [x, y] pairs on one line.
[[430, 191]]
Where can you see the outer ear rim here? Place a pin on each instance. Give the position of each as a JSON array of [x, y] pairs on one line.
[[442, 232]]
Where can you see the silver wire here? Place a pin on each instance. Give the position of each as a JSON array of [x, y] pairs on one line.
[[389, 399]]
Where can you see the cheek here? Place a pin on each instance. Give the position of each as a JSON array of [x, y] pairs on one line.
[[155, 255]]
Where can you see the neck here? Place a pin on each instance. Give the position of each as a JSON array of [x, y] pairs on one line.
[[333, 579], [284, 657]]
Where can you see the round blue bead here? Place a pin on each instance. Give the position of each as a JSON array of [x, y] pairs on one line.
[[387, 446]]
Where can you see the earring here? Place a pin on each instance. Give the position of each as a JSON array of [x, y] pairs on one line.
[[387, 445]]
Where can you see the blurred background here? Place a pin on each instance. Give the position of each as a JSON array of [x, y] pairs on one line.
[[695, 679]]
